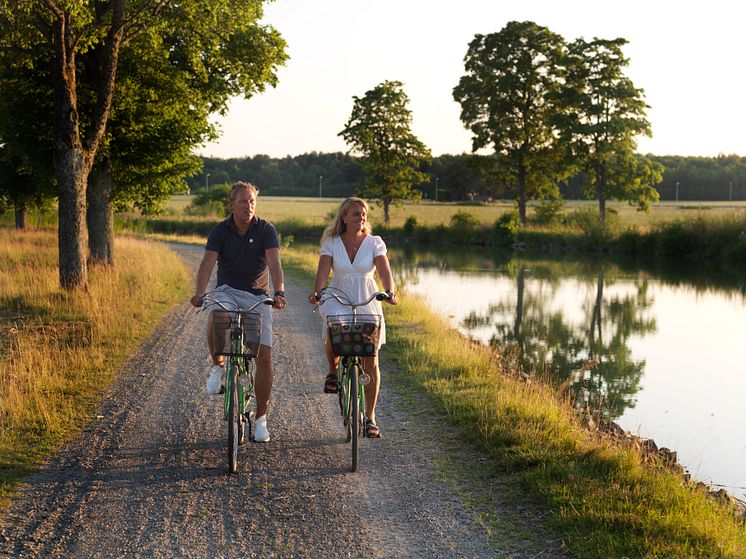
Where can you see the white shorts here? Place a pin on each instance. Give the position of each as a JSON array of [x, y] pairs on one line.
[[245, 300]]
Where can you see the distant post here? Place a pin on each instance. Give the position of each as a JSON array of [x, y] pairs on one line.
[[677, 191], [320, 177], [207, 181], [436, 188]]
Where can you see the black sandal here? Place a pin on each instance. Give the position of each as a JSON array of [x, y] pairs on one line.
[[371, 429], [330, 384]]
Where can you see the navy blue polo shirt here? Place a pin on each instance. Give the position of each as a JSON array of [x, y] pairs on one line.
[[242, 260]]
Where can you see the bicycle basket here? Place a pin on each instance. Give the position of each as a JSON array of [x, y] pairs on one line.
[[354, 335], [226, 322]]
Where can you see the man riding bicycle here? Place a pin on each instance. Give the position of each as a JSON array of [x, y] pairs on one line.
[[246, 249]]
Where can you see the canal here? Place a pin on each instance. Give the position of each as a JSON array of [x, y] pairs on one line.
[[660, 351]]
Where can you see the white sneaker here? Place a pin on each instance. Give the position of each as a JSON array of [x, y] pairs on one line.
[[216, 381], [261, 435]]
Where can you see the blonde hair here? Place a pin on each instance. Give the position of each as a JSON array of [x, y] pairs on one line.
[[338, 226], [242, 185]]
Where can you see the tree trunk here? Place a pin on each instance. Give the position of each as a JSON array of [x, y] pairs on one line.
[[386, 204], [100, 216], [601, 191], [73, 155], [20, 218], [517, 325], [522, 195], [71, 171]]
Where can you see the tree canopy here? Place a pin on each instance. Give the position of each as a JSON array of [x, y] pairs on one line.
[[603, 114], [210, 50], [508, 100], [379, 129]]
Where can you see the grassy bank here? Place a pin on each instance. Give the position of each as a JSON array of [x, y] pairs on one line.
[[61, 350], [604, 500], [682, 232]]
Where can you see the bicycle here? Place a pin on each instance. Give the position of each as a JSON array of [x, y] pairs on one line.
[[240, 349], [352, 337]]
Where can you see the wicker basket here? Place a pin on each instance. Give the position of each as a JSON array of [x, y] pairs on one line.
[[354, 335], [224, 322]]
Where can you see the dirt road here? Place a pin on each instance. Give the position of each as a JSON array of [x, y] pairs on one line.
[[148, 478]]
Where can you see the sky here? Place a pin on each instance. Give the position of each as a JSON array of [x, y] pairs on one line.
[[687, 56]]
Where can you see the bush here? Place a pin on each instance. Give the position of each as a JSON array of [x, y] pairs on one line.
[[210, 202], [676, 240], [595, 233], [505, 229], [410, 225], [464, 222], [548, 211]]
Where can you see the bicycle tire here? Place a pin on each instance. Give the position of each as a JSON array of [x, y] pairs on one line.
[[344, 400], [234, 420], [248, 396], [354, 425]]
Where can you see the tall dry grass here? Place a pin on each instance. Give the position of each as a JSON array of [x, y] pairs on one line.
[[61, 349]]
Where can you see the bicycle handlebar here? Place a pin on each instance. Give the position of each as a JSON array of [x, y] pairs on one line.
[[342, 298], [209, 299]]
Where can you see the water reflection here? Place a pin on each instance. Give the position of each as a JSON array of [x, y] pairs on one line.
[[583, 342], [591, 351]]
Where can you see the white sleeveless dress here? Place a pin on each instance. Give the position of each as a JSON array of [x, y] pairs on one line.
[[354, 278]]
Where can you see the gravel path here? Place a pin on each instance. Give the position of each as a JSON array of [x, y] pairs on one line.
[[148, 477]]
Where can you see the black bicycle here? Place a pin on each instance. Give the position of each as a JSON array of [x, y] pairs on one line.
[[240, 329], [352, 337]]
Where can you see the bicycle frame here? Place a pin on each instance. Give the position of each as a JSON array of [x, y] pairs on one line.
[[239, 382], [351, 378]]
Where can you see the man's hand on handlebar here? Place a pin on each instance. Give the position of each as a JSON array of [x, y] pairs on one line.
[[196, 300]]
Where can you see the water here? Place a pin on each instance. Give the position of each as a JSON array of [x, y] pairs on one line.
[[659, 352]]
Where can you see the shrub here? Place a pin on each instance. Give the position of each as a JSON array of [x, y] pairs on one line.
[[409, 225], [210, 202], [505, 229], [548, 211], [464, 222]]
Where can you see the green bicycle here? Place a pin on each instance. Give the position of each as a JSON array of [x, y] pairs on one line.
[[352, 337], [236, 333]]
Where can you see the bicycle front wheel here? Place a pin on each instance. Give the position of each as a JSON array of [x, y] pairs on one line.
[[234, 420], [354, 424]]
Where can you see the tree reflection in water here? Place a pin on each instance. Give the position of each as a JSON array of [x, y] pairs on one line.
[[591, 354]]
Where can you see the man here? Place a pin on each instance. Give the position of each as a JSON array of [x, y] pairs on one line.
[[247, 251]]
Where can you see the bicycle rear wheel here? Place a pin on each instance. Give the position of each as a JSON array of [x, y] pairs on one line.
[[234, 420], [354, 424]]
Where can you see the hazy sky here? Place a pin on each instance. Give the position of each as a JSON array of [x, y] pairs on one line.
[[689, 57]]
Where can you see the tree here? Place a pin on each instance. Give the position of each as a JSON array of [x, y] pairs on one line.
[[26, 174], [211, 41], [605, 112], [379, 130], [509, 101]]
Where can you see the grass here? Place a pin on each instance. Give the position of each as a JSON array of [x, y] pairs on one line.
[[315, 211], [603, 499], [61, 348]]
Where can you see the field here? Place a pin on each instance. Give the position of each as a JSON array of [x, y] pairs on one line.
[[316, 211]]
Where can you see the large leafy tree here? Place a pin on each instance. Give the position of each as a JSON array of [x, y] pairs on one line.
[[171, 77], [509, 101], [379, 129], [217, 45], [604, 114]]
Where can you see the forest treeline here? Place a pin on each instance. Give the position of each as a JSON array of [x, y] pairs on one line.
[[458, 177]]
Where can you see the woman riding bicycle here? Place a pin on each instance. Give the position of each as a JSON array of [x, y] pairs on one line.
[[350, 251]]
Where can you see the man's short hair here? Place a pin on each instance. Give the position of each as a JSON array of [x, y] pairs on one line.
[[242, 185]]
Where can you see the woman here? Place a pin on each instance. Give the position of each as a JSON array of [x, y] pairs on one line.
[[350, 250]]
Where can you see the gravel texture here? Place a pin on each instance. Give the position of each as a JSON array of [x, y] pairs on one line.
[[148, 477]]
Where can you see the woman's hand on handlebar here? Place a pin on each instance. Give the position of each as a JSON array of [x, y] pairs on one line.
[[313, 298]]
